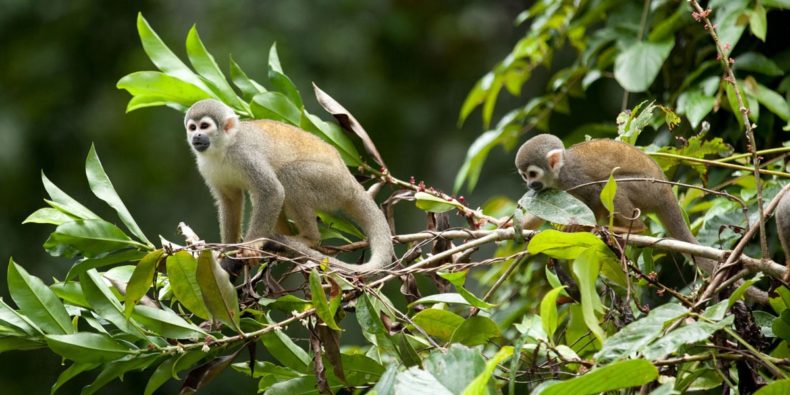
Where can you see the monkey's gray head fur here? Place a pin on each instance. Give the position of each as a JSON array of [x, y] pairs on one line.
[[210, 123], [539, 161]]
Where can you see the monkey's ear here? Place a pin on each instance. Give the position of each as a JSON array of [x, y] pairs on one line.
[[231, 123], [554, 159]]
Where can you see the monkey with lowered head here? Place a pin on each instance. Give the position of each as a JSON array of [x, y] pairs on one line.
[[543, 162], [287, 172]]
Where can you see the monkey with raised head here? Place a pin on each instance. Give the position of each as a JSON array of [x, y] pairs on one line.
[[543, 162], [287, 172]]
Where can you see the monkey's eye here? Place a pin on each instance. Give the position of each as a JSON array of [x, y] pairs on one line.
[[204, 125], [533, 174], [192, 127]]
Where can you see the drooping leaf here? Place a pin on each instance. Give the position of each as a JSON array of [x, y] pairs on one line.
[[430, 203], [562, 245], [478, 385], [219, 294], [586, 268], [166, 323], [207, 67], [37, 301], [770, 99], [557, 207], [637, 67], [117, 369], [284, 350], [72, 371], [368, 316], [158, 87], [458, 279], [607, 195], [141, 280], [619, 375], [182, 272], [48, 215], [203, 374], [88, 347], [548, 311], [758, 63], [635, 336], [758, 21], [322, 308], [170, 369]]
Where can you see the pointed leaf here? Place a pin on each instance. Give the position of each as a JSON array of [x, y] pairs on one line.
[[430, 203], [142, 278], [548, 311], [276, 106], [88, 347], [182, 273], [438, 323], [246, 85], [475, 331], [635, 336], [218, 292], [284, 350], [37, 301], [163, 57], [203, 374], [93, 263], [456, 368], [102, 300], [557, 207], [65, 202], [637, 67], [322, 309], [332, 134], [89, 237], [170, 369], [207, 67], [48, 215], [170, 90], [478, 385], [166, 323], [586, 268], [71, 372], [102, 187], [624, 374]]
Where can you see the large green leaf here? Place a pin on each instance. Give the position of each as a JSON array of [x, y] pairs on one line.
[[778, 387], [279, 81], [88, 347], [36, 301], [205, 65], [17, 322], [102, 187], [456, 368], [685, 335], [93, 263], [475, 331], [218, 292], [72, 371], [368, 316], [438, 323], [770, 99], [586, 268], [333, 134], [158, 87], [117, 369], [170, 369], [182, 273], [47, 215], [562, 245], [478, 386], [430, 203], [637, 67], [89, 237], [418, 381], [276, 106], [322, 308], [163, 57], [246, 85], [696, 105], [619, 375], [283, 349], [557, 207], [64, 202], [106, 305], [548, 311], [142, 278]]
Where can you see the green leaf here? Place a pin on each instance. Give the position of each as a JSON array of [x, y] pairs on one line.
[[557, 207], [781, 325], [106, 305], [37, 301], [286, 303], [71, 372], [163, 57], [65, 202], [88, 347], [637, 335], [246, 85], [456, 368], [219, 294], [562, 245], [685, 335], [479, 384], [696, 105], [458, 279], [19, 343], [586, 268], [48, 215], [89, 237], [433, 204], [71, 293], [359, 370], [447, 298], [475, 331], [607, 196], [758, 21], [322, 308], [548, 311], [279, 81], [770, 99], [368, 316], [276, 106], [624, 374], [438, 323], [785, 4], [778, 387], [332, 134], [158, 88], [758, 63], [170, 368], [631, 123], [182, 272], [300, 385], [205, 65], [102, 187], [637, 67], [142, 278], [166, 323], [16, 321], [284, 350], [117, 369], [386, 384], [418, 381]]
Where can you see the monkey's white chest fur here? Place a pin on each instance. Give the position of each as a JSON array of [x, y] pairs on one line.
[[221, 173]]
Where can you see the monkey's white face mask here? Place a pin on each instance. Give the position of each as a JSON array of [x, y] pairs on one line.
[[205, 137], [538, 178]]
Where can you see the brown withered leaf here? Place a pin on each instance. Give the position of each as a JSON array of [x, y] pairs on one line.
[[347, 121]]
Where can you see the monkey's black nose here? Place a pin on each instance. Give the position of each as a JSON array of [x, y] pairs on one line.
[[200, 142], [536, 185]]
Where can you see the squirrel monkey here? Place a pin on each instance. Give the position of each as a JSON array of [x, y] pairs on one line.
[[288, 173], [782, 215], [543, 162]]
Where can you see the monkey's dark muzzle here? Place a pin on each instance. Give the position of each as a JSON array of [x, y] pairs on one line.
[[200, 142]]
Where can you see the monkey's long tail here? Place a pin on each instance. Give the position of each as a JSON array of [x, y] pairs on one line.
[[365, 212], [677, 228]]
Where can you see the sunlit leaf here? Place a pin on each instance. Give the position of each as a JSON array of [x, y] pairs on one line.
[[182, 272], [141, 280], [89, 237], [219, 294], [66, 203], [458, 279], [88, 347], [276, 106], [478, 385], [167, 89], [438, 323], [624, 374], [548, 311], [48, 215], [166, 323], [207, 67], [586, 268], [427, 202], [36, 301], [102, 300], [637, 67]]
